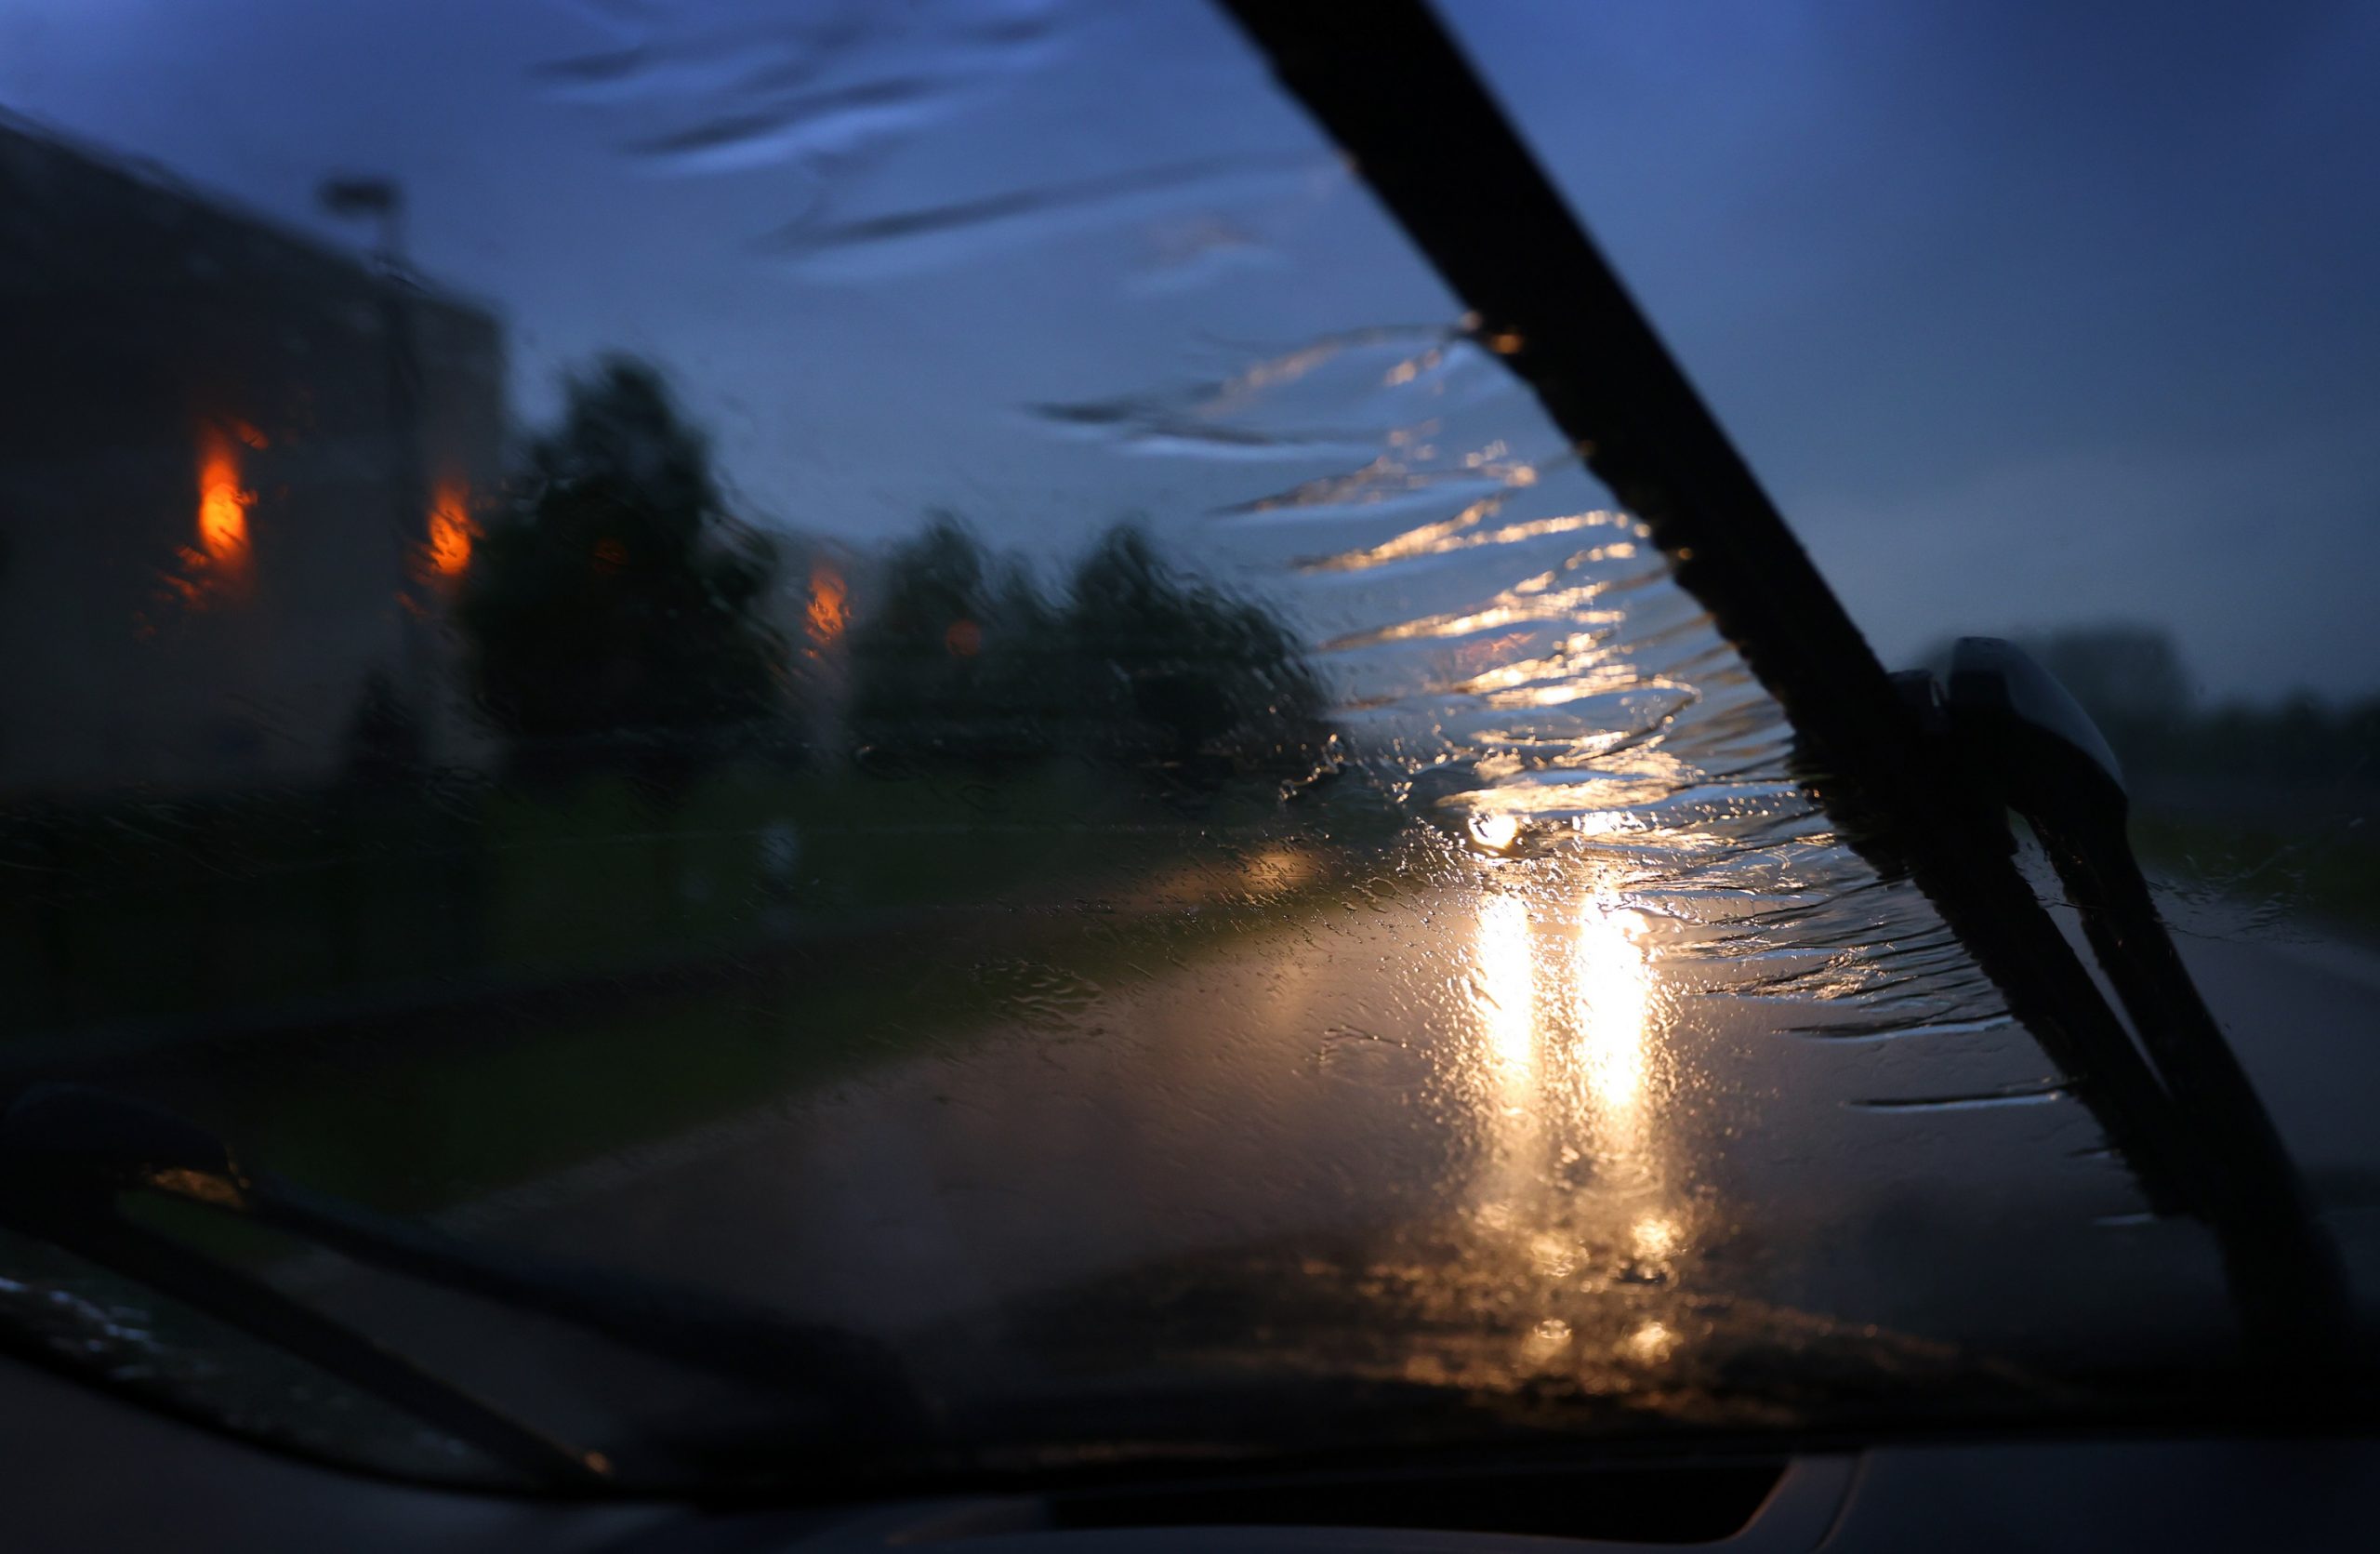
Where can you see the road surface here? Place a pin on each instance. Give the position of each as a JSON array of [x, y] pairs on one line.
[[1509, 1107]]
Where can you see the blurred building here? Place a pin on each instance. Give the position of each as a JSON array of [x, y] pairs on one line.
[[237, 474]]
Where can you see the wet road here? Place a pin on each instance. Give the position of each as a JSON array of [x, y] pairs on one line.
[[1513, 1099]]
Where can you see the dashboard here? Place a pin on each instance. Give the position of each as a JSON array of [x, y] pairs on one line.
[[81, 1469]]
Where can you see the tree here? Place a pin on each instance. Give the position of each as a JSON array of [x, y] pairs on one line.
[[1181, 680], [947, 667], [963, 662], [615, 615]]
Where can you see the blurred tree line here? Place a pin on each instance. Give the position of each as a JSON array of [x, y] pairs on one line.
[[2266, 803], [966, 663], [2133, 681], [615, 617]]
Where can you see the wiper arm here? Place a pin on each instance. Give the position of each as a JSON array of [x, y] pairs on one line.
[[2038, 753], [67, 1151]]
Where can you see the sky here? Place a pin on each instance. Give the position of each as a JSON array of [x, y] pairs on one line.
[[2031, 311], [2028, 315]]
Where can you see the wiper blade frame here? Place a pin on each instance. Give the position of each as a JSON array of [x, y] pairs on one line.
[[67, 1150]]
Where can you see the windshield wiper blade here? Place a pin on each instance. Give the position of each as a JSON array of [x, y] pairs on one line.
[[67, 1151], [1391, 87], [247, 1303], [69, 1200], [2039, 754]]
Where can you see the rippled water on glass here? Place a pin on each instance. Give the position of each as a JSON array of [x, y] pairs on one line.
[[1454, 991]]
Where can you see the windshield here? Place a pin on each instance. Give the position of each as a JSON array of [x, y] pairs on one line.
[[930, 692]]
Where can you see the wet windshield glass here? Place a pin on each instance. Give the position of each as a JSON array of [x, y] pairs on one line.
[[889, 731]]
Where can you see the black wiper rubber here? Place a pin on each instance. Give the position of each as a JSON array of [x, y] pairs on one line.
[[68, 1199], [66, 1151], [2042, 757], [1386, 82], [253, 1307]]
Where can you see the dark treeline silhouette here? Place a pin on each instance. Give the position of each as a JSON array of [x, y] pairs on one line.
[[2133, 683], [614, 618], [966, 663], [952, 664], [2299, 739], [2267, 801], [613, 612]]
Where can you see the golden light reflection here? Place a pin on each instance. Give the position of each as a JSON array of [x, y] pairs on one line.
[[1655, 1236], [1277, 868], [1447, 534], [451, 529], [1612, 989], [1576, 657], [1576, 1200], [223, 503], [1460, 533], [1652, 1343], [1508, 984], [1555, 1255], [1546, 1341], [1495, 831], [1520, 605]]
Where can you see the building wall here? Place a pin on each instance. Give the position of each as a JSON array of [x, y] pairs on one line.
[[174, 371]]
